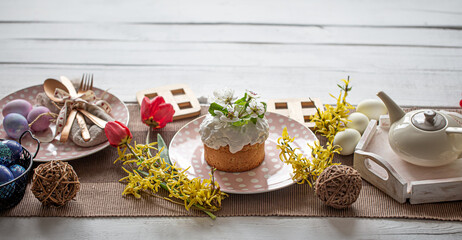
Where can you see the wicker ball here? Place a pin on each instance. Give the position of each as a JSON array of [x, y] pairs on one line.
[[55, 183], [338, 186]]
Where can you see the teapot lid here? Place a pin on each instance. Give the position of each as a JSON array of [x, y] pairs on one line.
[[429, 120]]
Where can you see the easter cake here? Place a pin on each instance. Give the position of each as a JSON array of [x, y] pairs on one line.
[[234, 132]]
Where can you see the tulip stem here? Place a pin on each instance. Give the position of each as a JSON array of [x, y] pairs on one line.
[[148, 138]]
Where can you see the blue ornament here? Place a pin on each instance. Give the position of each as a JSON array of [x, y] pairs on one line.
[[15, 147], [17, 170], [5, 175], [5, 155]]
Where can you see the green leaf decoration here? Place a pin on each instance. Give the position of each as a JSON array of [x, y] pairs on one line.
[[164, 154], [215, 106], [240, 123], [241, 101], [264, 104]]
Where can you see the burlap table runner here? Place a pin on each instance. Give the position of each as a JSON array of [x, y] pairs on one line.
[[100, 194]]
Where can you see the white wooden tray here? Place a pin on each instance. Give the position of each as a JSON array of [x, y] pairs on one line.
[[379, 165]]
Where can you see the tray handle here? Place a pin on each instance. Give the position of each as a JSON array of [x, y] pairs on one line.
[[38, 142], [381, 174]]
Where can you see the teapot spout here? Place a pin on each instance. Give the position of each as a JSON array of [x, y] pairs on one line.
[[395, 112]]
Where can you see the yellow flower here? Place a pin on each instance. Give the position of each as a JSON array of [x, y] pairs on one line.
[[153, 173], [327, 123]]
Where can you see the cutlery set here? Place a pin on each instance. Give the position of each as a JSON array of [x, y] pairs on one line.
[[86, 84]]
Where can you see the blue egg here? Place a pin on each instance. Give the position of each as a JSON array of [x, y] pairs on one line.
[[6, 156], [15, 124], [15, 147], [17, 170], [5, 175]]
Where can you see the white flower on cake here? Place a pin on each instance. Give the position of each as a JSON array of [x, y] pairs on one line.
[[252, 94], [224, 96], [231, 116], [238, 112], [255, 108]]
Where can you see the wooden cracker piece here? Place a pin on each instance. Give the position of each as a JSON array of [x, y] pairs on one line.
[[299, 109], [181, 97]]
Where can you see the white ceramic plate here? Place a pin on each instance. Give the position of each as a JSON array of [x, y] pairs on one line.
[[56, 150], [187, 150]]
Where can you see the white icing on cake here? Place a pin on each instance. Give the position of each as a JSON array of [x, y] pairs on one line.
[[216, 133]]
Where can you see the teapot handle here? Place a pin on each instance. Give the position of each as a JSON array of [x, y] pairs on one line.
[[454, 130], [458, 116]]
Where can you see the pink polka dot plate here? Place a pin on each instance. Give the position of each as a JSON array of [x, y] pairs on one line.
[[56, 150], [187, 151]]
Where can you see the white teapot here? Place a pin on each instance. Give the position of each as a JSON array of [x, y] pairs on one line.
[[424, 137]]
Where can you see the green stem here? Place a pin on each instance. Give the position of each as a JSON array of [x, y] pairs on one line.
[[134, 154], [148, 137], [211, 215], [243, 109], [346, 91]]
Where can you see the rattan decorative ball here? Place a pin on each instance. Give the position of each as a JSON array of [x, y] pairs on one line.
[[55, 183], [338, 186]]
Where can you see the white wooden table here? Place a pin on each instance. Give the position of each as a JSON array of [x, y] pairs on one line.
[[279, 48]]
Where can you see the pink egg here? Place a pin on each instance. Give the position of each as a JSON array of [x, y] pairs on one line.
[[19, 106], [41, 123], [15, 124]]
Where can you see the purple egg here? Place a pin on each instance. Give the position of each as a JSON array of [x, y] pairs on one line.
[[15, 147], [17, 170], [41, 123], [19, 106], [5, 174], [15, 124]]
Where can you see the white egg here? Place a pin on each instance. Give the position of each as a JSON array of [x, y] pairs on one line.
[[372, 108], [359, 121], [348, 140]]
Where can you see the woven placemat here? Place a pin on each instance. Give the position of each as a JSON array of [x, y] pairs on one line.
[[100, 194]]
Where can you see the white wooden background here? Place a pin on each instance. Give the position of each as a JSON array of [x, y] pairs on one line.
[[411, 49], [280, 48]]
